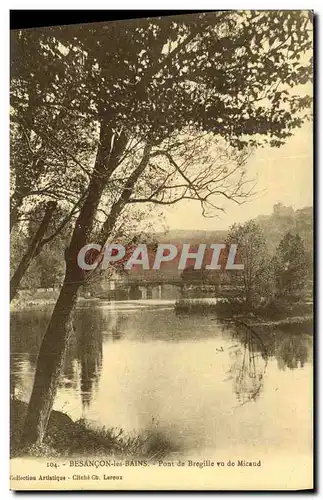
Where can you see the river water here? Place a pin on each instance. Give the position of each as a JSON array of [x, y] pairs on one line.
[[200, 383]]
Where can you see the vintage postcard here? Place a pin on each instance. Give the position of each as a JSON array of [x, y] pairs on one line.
[[161, 288]]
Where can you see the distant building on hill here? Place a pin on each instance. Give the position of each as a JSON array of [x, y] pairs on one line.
[[281, 210]]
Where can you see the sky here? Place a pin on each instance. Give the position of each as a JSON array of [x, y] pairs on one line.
[[283, 175]]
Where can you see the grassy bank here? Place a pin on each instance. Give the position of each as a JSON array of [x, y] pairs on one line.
[[66, 438], [37, 302], [33, 299]]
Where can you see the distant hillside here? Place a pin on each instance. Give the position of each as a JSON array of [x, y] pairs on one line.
[[192, 236], [274, 226]]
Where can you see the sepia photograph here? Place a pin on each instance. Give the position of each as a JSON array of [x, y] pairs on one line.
[[161, 252]]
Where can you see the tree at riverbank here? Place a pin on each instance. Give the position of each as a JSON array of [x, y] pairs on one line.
[[273, 282], [292, 269], [254, 282]]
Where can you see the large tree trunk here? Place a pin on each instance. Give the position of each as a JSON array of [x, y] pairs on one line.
[[53, 347], [49, 364], [32, 250]]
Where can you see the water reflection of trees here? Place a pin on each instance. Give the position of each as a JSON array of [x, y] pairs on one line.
[[83, 361], [15, 378], [26, 332], [293, 351], [89, 352], [291, 347], [91, 324], [249, 362], [257, 344]]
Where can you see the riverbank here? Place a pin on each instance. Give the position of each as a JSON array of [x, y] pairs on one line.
[[66, 438], [274, 315], [34, 302], [37, 300]]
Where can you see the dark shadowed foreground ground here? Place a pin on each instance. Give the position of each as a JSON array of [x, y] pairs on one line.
[[67, 438]]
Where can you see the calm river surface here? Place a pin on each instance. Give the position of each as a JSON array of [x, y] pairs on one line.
[[200, 383]]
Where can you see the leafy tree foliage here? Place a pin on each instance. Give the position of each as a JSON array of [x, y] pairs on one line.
[[292, 268], [254, 282]]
